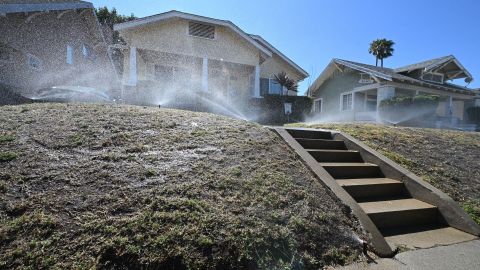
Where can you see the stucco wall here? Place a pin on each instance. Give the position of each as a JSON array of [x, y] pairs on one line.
[[46, 37], [172, 36], [331, 91], [275, 65]]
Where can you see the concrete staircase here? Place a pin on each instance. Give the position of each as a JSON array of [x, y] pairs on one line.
[[402, 217]]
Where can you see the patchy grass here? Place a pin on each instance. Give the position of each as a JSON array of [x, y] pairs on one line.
[[103, 186], [447, 159], [7, 156]]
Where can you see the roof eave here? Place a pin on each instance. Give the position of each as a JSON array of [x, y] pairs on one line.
[[284, 57], [17, 8], [174, 14]]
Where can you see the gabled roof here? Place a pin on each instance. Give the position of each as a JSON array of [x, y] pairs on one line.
[[273, 49], [177, 14], [387, 74], [15, 6], [438, 63]]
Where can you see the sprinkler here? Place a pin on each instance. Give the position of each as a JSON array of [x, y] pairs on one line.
[[159, 106]]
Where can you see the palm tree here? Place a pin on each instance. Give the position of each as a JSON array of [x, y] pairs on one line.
[[286, 82], [381, 49]]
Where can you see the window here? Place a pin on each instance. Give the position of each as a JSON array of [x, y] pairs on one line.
[[318, 105], [275, 88], [69, 55], [365, 78], [34, 62], [433, 77], [346, 102], [88, 52], [201, 30]]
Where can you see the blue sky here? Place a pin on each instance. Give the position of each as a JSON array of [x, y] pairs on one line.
[[312, 32]]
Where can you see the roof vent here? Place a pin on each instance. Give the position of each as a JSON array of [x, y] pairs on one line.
[[201, 30]]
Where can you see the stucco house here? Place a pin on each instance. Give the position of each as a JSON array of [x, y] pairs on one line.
[[46, 43], [350, 91], [178, 55]]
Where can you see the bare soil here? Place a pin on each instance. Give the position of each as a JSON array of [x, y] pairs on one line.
[[105, 186]]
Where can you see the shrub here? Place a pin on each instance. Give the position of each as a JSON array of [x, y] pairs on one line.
[[403, 108], [270, 108]]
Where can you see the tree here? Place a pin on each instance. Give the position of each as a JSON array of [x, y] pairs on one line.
[[109, 18], [381, 49]]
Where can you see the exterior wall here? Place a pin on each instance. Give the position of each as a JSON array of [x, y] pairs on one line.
[[331, 90], [275, 65], [458, 109], [46, 37], [172, 37]]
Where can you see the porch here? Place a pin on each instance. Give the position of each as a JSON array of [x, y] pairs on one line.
[[449, 112], [160, 76]]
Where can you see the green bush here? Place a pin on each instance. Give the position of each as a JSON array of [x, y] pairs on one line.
[[474, 114], [409, 108], [407, 101]]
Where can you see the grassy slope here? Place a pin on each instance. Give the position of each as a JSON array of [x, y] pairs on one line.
[[449, 160], [106, 186]]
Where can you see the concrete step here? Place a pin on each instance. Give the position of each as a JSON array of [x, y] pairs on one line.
[[372, 188], [401, 213], [322, 144], [425, 236], [310, 134], [334, 155], [346, 170]]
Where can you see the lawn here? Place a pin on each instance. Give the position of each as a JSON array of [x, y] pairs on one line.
[[105, 186], [447, 159]]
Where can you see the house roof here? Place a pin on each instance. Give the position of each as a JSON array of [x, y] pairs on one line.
[[255, 40], [15, 6], [177, 14], [458, 71], [284, 57], [387, 74]]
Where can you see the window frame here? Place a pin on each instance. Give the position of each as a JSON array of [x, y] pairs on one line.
[[88, 52], [342, 109], [315, 105], [433, 73]]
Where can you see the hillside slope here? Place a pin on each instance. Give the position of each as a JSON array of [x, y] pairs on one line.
[[106, 186], [447, 159]]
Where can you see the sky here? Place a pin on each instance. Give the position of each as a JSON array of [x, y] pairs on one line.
[[312, 32]]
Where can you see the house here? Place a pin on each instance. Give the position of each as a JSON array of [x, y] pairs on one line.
[[350, 91], [45, 43], [176, 55]]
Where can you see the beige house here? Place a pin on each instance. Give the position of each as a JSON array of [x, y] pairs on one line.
[[46, 43], [174, 55]]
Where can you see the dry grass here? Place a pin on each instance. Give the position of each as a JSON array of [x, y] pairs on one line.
[[102, 186]]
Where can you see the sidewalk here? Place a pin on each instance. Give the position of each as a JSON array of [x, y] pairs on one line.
[[462, 256]]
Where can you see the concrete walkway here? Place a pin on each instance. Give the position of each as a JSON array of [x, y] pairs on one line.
[[462, 256]]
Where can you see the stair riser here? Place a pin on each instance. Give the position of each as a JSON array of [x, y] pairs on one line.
[[345, 172], [320, 144], [336, 156], [376, 191], [310, 134], [416, 217]]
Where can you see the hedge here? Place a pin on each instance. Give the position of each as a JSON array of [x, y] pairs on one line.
[[416, 110], [271, 109], [474, 114]]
